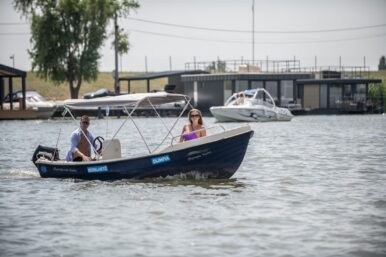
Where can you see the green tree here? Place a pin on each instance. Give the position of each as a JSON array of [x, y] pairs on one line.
[[66, 36], [377, 95], [123, 42], [382, 63]]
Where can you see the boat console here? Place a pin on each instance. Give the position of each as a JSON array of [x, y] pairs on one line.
[[111, 149]]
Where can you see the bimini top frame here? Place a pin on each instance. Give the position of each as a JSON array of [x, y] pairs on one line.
[[129, 100], [133, 101]]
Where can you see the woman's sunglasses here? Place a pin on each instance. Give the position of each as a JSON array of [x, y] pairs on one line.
[[195, 115]]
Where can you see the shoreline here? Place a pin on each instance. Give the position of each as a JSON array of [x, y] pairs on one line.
[[50, 91]]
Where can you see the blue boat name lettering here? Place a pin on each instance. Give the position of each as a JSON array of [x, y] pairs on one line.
[[96, 169], [160, 159], [43, 169]]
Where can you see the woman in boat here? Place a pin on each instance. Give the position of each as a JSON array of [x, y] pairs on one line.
[[194, 129]]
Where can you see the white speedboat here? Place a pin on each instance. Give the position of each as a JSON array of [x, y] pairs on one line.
[[251, 105], [36, 105]]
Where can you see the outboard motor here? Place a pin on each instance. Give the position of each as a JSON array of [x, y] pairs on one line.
[[46, 152]]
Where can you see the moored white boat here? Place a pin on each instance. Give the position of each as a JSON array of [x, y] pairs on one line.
[[255, 105], [37, 105]]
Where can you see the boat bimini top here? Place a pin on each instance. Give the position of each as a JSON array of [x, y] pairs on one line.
[[129, 103], [129, 100]]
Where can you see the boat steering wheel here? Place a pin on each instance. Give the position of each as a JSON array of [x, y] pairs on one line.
[[98, 143]]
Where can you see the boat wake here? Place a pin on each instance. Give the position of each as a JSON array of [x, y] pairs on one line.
[[195, 179], [23, 173]]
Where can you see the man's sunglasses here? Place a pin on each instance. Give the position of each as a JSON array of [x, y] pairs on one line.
[[85, 122]]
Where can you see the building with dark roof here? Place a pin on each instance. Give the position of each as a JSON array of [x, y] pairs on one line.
[[335, 94], [326, 91], [208, 90], [324, 95]]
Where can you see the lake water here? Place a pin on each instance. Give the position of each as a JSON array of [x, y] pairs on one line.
[[315, 186]]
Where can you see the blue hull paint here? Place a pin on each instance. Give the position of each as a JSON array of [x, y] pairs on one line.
[[219, 159]]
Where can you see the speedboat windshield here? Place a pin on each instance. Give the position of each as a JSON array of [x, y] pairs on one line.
[[251, 92], [255, 96], [35, 98], [263, 98]]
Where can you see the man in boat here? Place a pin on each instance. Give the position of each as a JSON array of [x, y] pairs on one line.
[[80, 145]]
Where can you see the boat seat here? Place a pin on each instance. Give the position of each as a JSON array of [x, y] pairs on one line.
[[111, 149]]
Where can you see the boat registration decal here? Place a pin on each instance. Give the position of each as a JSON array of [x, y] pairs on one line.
[[195, 155], [160, 159], [96, 169]]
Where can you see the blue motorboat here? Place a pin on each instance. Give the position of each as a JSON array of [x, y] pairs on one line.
[[218, 155]]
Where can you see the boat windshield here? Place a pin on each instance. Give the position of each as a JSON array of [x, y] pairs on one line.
[[32, 96], [258, 96], [262, 98]]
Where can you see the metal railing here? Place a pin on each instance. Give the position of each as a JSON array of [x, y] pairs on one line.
[[347, 72], [274, 66]]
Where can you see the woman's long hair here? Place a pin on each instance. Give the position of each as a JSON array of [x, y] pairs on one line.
[[190, 116]]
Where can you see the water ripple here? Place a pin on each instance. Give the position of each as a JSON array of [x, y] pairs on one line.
[[311, 187]]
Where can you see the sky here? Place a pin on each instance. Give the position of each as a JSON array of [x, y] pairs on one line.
[[166, 34]]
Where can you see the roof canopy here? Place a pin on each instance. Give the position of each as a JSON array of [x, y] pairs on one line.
[[156, 75], [6, 71], [129, 100], [246, 76], [338, 81]]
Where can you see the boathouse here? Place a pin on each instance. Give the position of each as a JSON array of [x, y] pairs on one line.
[[335, 95], [7, 75], [309, 92], [208, 90]]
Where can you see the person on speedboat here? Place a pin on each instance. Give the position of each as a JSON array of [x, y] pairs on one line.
[[240, 97], [195, 128], [80, 148]]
